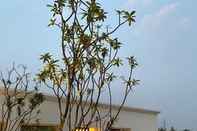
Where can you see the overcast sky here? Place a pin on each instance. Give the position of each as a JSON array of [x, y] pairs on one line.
[[163, 41]]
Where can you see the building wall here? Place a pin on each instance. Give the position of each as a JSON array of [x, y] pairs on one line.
[[136, 121]]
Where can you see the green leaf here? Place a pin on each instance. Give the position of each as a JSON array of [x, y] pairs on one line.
[[104, 52], [132, 62], [110, 77], [46, 57], [129, 17], [51, 22], [119, 12], [115, 44], [50, 6], [117, 62]]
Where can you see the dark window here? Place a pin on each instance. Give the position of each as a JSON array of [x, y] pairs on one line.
[[38, 128]]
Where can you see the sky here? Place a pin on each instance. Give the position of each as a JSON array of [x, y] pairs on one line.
[[163, 40]]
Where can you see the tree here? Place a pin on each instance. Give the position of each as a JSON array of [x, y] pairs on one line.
[[88, 58], [186, 130], [18, 102], [172, 129], [162, 129]]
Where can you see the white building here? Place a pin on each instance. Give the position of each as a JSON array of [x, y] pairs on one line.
[[130, 119]]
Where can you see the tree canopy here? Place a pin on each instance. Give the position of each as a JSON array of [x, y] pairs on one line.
[[89, 55]]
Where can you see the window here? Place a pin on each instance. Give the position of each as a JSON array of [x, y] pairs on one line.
[[81, 129], [94, 129], [87, 129], [38, 128]]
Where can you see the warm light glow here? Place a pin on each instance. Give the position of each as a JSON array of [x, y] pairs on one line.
[[81, 129], [94, 129], [87, 129]]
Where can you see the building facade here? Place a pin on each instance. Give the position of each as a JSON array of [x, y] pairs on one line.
[[130, 119]]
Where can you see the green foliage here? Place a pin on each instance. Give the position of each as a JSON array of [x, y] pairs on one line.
[[93, 12], [162, 129], [132, 62], [186, 130], [36, 100], [115, 44], [172, 129], [129, 16], [117, 62], [110, 77]]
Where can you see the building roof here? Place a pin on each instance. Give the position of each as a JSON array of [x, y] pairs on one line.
[[103, 105]]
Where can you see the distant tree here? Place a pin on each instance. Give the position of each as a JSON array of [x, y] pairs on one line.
[[186, 130], [18, 101], [162, 129], [172, 129], [88, 58]]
